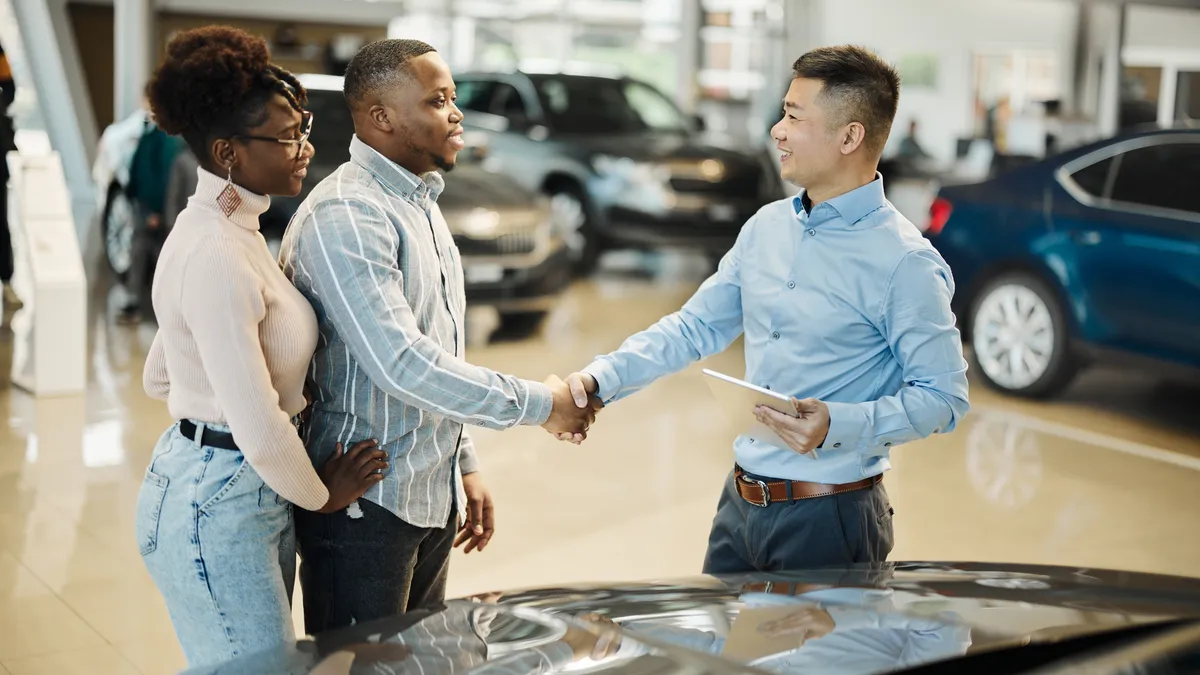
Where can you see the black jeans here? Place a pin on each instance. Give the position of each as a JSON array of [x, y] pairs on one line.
[[853, 527], [361, 569], [6, 249], [142, 258]]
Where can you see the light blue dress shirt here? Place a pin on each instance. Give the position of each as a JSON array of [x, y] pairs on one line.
[[849, 304]]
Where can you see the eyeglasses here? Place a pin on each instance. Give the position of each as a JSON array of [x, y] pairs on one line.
[[306, 124]]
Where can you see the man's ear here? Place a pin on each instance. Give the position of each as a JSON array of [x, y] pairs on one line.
[[381, 117], [854, 135]]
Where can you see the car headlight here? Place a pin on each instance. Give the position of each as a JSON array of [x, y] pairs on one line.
[[480, 223], [631, 171]]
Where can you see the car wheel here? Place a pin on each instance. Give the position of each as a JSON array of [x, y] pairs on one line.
[[571, 217], [522, 323], [1020, 337], [116, 226]]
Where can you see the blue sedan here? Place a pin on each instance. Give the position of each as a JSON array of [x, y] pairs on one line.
[[1093, 255]]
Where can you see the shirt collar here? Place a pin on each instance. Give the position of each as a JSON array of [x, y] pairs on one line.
[[409, 185], [852, 206]]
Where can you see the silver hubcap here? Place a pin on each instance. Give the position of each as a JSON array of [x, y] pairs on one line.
[[1013, 336], [119, 242], [568, 215]]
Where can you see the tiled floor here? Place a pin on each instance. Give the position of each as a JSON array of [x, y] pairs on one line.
[[1105, 477]]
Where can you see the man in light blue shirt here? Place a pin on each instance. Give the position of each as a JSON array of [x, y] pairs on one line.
[[845, 307]]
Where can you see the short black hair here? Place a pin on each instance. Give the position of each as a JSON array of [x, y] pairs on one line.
[[860, 86], [376, 66], [215, 83]]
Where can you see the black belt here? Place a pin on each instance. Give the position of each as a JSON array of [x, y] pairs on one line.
[[210, 438]]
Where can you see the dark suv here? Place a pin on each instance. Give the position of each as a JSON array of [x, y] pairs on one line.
[[622, 164]]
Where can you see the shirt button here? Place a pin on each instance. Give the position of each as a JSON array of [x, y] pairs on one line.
[[837, 445], [775, 335], [888, 444], [812, 233], [791, 284]]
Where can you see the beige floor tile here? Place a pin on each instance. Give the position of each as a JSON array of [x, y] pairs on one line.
[[18, 582], [124, 610], [99, 661], [154, 656], [41, 626]]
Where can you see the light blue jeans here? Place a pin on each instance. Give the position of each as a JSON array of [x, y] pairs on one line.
[[221, 547]]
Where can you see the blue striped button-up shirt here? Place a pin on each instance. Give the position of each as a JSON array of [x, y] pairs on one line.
[[370, 250], [849, 305]]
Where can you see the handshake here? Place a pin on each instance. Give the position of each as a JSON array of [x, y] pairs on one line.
[[575, 406]]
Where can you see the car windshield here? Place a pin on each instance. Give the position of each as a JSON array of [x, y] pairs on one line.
[[593, 105]]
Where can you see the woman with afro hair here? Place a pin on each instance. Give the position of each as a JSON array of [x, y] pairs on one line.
[[214, 516]]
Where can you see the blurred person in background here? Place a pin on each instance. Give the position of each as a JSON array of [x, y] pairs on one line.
[[845, 307], [8, 143], [180, 187], [214, 519], [371, 251], [149, 175], [910, 147]]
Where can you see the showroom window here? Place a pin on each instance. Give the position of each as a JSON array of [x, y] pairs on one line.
[[474, 94], [1163, 176], [1093, 179]]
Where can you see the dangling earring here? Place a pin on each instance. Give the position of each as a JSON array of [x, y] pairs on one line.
[[229, 200]]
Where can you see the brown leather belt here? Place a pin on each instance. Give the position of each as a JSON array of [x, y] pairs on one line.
[[780, 587], [763, 493]]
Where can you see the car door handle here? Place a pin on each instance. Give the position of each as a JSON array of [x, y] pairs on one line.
[[1088, 238]]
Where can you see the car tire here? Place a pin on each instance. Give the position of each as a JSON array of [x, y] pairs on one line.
[[116, 231], [1020, 337], [573, 217], [522, 323]]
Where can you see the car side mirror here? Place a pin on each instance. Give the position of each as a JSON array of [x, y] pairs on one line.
[[698, 120]]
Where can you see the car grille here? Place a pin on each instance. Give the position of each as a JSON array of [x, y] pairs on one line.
[[746, 182], [518, 243]]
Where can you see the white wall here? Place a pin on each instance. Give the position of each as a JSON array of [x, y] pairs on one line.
[[1163, 28], [953, 30]]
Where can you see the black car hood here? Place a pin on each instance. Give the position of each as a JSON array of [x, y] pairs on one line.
[[657, 147], [857, 620]]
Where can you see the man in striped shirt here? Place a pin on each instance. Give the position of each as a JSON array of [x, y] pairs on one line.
[[370, 250]]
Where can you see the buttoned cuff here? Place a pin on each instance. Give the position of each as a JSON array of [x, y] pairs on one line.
[[608, 384], [538, 404], [847, 424]]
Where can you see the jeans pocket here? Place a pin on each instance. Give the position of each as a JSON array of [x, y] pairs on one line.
[[228, 486], [149, 510]]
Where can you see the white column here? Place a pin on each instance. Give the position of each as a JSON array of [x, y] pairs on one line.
[[1110, 82], [60, 95], [131, 24]]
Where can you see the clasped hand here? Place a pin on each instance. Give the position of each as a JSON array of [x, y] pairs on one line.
[[575, 407]]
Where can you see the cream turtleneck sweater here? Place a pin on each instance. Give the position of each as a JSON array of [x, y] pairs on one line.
[[235, 338]]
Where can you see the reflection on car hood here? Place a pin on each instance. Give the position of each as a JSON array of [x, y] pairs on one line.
[[858, 620]]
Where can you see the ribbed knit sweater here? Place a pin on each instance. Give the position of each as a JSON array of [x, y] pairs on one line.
[[235, 338]]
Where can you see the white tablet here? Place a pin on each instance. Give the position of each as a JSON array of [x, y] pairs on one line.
[[738, 398]]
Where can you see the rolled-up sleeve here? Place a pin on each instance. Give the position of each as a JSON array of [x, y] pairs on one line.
[[918, 324], [349, 248]]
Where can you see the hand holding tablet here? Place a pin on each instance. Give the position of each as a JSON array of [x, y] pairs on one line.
[[739, 399]]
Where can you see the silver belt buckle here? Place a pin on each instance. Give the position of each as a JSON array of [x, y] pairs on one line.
[[766, 500]]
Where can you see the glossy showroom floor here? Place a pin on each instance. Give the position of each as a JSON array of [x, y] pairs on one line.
[[1105, 477]]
